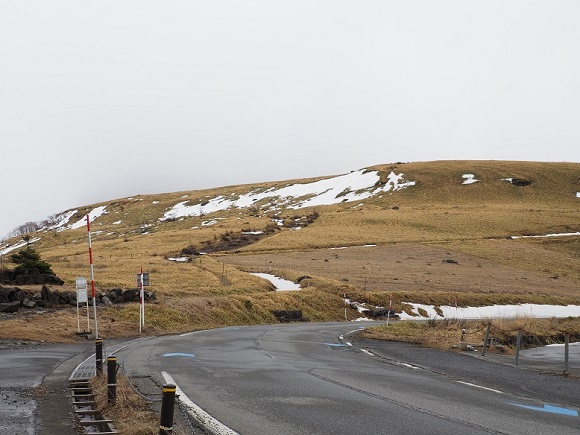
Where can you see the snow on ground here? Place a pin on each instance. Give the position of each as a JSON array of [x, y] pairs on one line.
[[9, 248], [577, 194], [279, 283], [469, 179], [356, 246], [93, 214], [179, 259], [495, 311], [546, 235], [354, 186], [62, 220]]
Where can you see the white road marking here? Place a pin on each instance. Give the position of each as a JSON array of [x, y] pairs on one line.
[[411, 366], [214, 426], [367, 352], [480, 386]]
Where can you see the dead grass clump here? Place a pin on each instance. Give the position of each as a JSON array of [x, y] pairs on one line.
[[131, 413]]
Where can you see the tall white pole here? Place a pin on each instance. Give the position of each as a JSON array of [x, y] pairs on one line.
[[142, 302], [92, 278]]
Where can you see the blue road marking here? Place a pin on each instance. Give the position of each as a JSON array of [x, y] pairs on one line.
[[190, 355], [549, 408]]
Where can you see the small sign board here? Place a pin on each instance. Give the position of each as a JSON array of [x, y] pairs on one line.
[[145, 279], [81, 283], [82, 297]]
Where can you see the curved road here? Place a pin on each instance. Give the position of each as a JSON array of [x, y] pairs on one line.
[[313, 379]]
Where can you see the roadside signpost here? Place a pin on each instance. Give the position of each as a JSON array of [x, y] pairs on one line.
[[82, 298], [142, 280], [92, 277]]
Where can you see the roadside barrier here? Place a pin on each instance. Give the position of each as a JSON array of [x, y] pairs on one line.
[[520, 333]]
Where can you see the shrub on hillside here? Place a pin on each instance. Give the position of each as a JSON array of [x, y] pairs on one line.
[[28, 260]]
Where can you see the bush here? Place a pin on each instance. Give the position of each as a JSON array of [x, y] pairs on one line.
[[28, 260]]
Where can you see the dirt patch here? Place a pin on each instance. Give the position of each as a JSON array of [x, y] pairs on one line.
[[407, 268]]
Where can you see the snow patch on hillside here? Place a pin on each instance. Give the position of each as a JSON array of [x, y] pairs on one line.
[[469, 179], [9, 248], [355, 186], [61, 221], [494, 311]]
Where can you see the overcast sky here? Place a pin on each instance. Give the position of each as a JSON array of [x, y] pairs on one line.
[[106, 99]]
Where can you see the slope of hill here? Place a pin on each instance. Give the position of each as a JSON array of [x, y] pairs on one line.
[[419, 214]]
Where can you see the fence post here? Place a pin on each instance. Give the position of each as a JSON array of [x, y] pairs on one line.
[[99, 356], [111, 379], [167, 406], [566, 350], [518, 343], [485, 341]]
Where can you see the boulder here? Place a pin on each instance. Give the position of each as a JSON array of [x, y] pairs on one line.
[[9, 307], [131, 295], [521, 182], [286, 316], [27, 303]]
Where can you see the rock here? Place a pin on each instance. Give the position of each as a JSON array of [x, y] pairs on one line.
[[106, 301], [286, 316], [131, 295], [116, 295], [521, 182], [27, 303], [381, 312], [4, 295], [9, 307]]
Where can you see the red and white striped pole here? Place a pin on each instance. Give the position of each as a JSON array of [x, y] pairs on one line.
[[141, 304], [92, 278]]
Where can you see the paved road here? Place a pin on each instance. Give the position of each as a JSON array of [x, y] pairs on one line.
[[33, 380], [303, 379]]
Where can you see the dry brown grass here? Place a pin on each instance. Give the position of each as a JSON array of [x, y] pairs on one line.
[[416, 229], [131, 413]]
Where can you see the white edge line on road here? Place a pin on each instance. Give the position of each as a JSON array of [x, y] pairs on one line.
[[188, 333], [213, 425], [411, 366], [479, 386], [369, 353]]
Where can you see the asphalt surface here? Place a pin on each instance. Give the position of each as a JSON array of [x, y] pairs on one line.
[[277, 378], [304, 379], [33, 387]]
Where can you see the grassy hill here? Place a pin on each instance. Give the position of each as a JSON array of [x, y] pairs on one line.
[[417, 228]]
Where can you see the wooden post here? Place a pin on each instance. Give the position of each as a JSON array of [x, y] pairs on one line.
[[486, 340], [518, 343], [566, 352]]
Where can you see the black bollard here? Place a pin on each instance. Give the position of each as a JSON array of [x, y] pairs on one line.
[[167, 405], [111, 379], [99, 356]]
